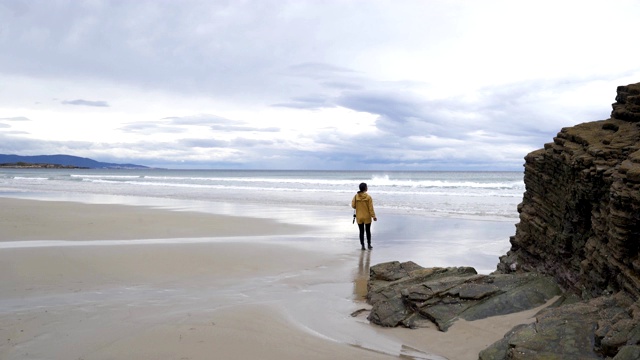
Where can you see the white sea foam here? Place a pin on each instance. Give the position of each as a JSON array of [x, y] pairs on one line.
[[104, 176], [30, 178]]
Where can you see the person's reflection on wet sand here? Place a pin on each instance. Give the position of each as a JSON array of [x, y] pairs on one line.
[[361, 277]]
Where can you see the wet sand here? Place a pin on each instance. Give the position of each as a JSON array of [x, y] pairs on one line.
[[22, 219], [78, 281]]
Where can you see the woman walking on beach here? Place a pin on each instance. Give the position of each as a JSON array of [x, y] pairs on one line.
[[363, 203]]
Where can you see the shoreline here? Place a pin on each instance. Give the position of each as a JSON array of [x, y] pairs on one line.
[[255, 206], [168, 297]]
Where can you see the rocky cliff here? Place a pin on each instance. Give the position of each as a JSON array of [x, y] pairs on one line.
[[579, 225], [580, 215]]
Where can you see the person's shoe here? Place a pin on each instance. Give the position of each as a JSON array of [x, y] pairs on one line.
[[363, 248], [370, 247]]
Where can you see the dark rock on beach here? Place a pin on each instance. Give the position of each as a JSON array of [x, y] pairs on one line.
[[578, 235], [443, 295], [594, 329]]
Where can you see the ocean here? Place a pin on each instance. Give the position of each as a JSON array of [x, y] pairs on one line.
[[480, 195], [446, 217]]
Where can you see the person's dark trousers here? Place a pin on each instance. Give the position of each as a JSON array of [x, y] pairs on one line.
[[363, 228]]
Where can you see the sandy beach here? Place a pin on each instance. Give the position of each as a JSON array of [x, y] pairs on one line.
[[22, 219], [90, 281]]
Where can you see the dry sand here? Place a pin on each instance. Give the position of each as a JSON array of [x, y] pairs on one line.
[[228, 298]]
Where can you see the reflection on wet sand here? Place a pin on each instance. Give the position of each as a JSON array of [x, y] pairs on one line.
[[362, 276]]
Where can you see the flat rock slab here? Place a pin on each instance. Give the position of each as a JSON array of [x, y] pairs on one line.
[[406, 294]]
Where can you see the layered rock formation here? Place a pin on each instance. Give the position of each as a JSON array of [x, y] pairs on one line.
[[579, 225], [580, 215]]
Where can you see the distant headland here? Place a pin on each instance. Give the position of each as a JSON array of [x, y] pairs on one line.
[[59, 162], [26, 165]]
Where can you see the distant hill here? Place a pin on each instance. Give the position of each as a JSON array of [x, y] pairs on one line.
[[66, 160]]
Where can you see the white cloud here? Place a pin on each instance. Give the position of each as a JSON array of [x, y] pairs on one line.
[[306, 84]]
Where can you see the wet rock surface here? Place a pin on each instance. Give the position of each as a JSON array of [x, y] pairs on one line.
[[443, 295], [596, 329]]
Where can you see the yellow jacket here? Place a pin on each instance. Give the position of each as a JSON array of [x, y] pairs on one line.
[[363, 203]]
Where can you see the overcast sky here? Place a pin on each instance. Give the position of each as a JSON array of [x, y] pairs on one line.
[[336, 84]]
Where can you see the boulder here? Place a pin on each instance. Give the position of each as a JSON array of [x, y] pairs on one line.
[[443, 295], [595, 329]]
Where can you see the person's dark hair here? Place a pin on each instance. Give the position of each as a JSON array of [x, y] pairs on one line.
[[363, 187]]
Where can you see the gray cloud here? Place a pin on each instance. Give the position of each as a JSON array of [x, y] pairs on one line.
[[203, 143], [16, 118], [217, 123], [11, 144], [231, 127], [314, 68], [189, 46], [241, 142], [204, 120], [149, 128], [341, 85], [80, 102], [320, 71], [388, 103], [307, 102], [180, 124]]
